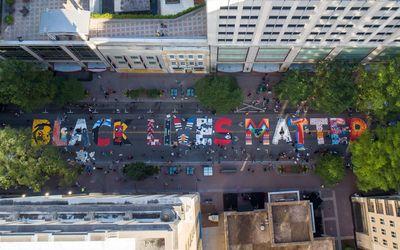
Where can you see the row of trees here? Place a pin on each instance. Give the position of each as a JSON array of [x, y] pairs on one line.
[[24, 165], [30, 87], [337, 86], [375, 160]]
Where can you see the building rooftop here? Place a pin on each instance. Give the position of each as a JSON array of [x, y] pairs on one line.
[[284, 225], [193, 24], [65, 21], [31, 26], [291, 222], [27, 27]]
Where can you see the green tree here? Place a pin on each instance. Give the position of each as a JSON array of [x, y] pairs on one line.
[[376, 159], [333, 87], [330, 168], [25, 85], [69, 91], [378, 89], [220, 93], [22, 164], [295, 87], [139, 171]]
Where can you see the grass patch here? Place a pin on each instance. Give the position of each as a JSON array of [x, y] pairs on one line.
[[142, 92]]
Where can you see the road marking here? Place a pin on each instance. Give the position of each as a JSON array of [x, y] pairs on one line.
[[244, 163]]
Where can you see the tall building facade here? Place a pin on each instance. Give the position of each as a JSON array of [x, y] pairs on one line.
[[101, 222], [225, 35], [377, 222], [271, 35]]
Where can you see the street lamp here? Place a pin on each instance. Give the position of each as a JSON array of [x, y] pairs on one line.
[[23, 195], [70, 192], [47, 194]]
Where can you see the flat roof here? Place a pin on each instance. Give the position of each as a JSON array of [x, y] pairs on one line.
[[27, 27], [291, 222], [284, 225], [193, 24]]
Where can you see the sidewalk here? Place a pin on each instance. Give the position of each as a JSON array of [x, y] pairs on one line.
[[118, 83]]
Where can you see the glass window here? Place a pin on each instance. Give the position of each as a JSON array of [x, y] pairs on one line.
[[51, 53], [374, 229], [383, 231], [182, 63], [83, 52], [152, 63], [372, 219], [375, 239], [171, 56], [307, 54], [181, 56], [353, 54], [394, 234], [15, 52], [118, 57], [384, 242], [200, 57], [232, 54], [150, 57], [391, 223], [395, 246], [388, 53], [200, 63], [191, 63], [191, 57], [173, 63], [382, 221], [270, 55]]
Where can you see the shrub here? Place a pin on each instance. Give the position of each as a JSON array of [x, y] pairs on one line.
[[144, 16], [9, 19]]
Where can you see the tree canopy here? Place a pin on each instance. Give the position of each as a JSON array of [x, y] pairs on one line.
[[139, 171], [378, 89], [22, 164], [333, 87], [376, 158], [295, 87], [330, 168], [220, 93], [329, 89], [30, 87]]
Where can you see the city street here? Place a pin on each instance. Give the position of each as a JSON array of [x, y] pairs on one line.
[[242, 164]]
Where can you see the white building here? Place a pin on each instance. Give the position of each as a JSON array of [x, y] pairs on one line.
[[226, 35], [101, 222], [271, 35]]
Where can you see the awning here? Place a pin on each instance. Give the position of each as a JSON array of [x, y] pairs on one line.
[[230, 68], [303, 66], [266, 67], [67, 67], [96, 67]]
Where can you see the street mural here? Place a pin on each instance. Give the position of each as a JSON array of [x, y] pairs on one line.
[[151, 140], [223, 135], [339, 132], [261, 131], [41, 129], [96, 130], [281, 132], [119, 135], [204, 131], [60, 134], [200, 131], [319, 125], [299, 124], [80, 134]]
